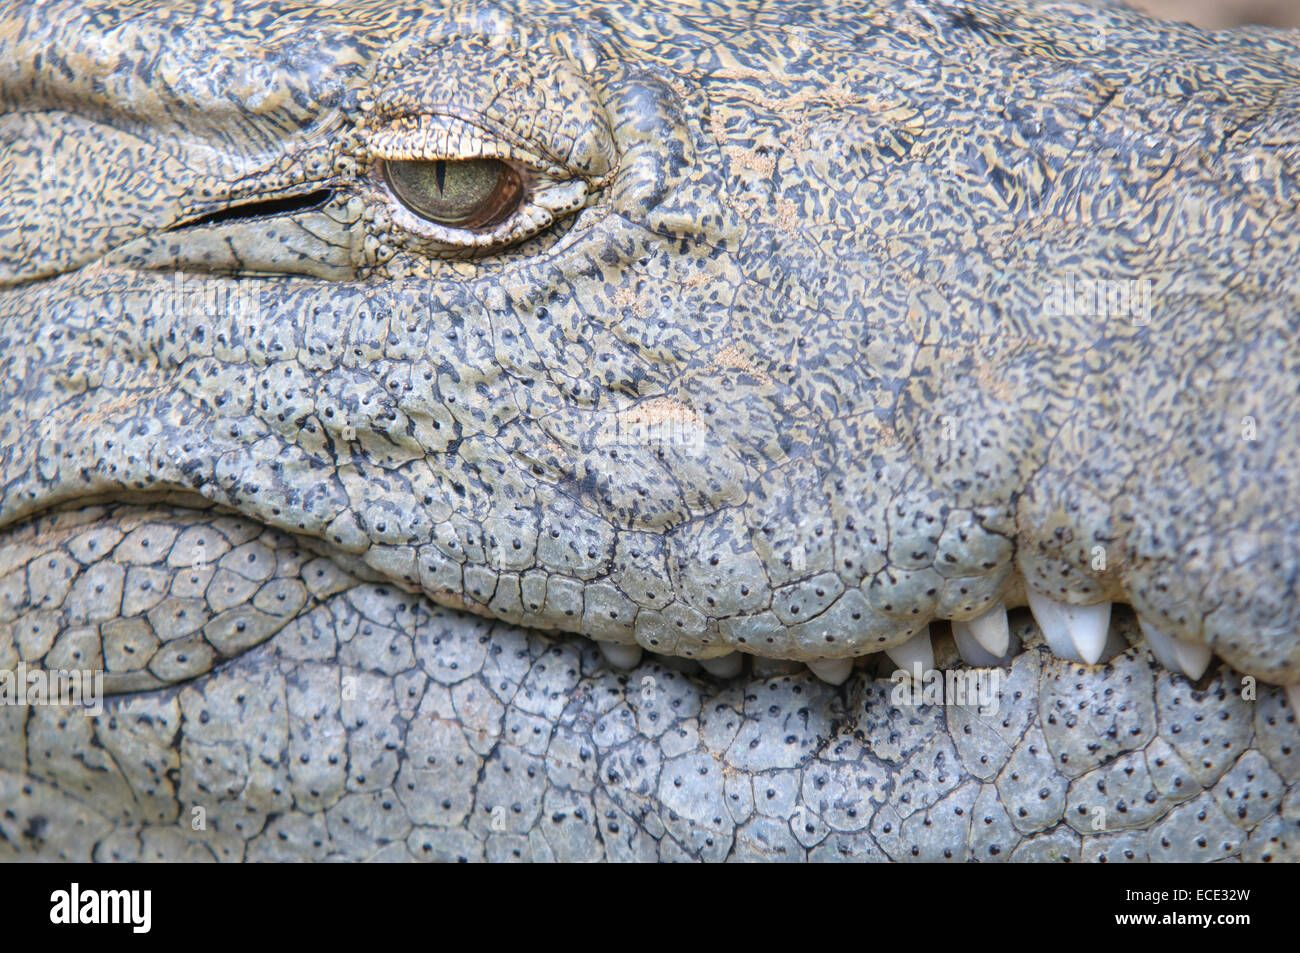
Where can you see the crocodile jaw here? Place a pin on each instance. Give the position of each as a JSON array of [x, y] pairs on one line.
[[961, 452]]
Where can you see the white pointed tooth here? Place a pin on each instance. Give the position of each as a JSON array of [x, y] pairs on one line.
[[1161, 646], [976, 655], [1175, 654], [1293, 699], [916, 651], [620, 656], [833, 671], [1089, 627], [990, 629], [1193, 657], [1082, 628], [724, 666], [971, 652], [1047, 615]]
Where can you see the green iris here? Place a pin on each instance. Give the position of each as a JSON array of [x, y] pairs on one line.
[[458, 193]]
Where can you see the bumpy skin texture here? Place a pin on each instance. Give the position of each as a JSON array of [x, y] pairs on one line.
[[768, 362]]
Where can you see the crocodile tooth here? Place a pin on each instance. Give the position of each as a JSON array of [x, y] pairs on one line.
[[1161, 645], [724, 666], [918, 650], [620, 656], [1077, 633], [990, 629], [1177, 655], [1193, 657], [976, 655], [833, 671]]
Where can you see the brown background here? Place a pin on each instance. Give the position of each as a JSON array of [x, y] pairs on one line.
[[1221, 13]]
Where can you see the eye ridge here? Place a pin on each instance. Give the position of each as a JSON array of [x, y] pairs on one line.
[[469, 194]]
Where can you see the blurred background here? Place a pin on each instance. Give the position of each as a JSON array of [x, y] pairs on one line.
[[1222, 13]]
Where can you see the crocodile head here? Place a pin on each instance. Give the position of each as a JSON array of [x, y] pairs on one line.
[[775, 335]]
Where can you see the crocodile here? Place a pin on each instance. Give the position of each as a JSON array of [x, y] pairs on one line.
[[647, 431]]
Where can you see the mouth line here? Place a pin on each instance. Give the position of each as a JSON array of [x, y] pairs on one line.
[[950, 652], [1025, 621], [259, 209]]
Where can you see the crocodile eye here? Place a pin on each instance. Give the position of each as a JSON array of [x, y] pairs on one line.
[[457, 193]]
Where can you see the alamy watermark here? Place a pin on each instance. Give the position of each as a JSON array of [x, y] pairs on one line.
[[1126, 298], [971, 687], [71, 688], [133, 908], [188, 297]]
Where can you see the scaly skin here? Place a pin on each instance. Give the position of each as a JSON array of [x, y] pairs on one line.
[[770, 361]]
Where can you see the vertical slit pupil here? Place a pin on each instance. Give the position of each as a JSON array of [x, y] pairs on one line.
[[486, 192]]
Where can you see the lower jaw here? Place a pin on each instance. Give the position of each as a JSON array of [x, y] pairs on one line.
[[1141, 757], [526, 745]]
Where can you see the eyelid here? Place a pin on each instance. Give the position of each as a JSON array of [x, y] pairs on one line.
[[430, 137]]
